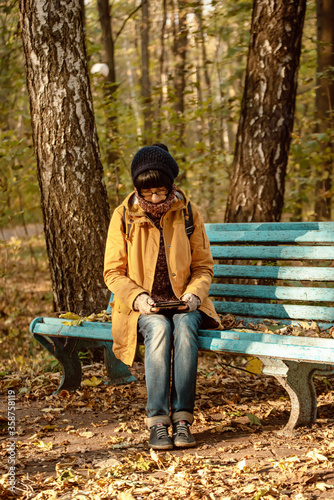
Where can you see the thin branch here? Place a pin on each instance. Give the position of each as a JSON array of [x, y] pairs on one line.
[[126, 20]]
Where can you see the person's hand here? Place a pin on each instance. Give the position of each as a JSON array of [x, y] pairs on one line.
[[143, 303], [193, 302]]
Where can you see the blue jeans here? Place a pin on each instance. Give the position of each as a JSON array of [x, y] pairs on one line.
[[163, 336]]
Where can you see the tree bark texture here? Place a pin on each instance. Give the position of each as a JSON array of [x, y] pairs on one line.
[[145, 75], [324, 106], [70, 174], [267, 112], [108, 54], [180, 46]]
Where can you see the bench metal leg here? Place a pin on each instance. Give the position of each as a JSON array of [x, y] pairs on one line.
[[118, 372], [297, 380], [64, 350]]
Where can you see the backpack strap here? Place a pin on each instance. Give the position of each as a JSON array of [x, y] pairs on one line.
[[126, 228], [189, 220]]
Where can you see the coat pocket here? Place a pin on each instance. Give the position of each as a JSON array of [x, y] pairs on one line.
[[121, 308]]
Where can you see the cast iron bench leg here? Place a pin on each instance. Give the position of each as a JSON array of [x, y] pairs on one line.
[[64, 350], [297, 380], [118, 372]]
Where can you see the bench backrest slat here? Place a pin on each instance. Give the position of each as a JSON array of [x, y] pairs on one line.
[[280, 311], [273, 292], [271, 236], [275, 272], [273, 253]]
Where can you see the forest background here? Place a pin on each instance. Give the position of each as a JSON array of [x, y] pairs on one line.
[[237, 458], [202, 136]]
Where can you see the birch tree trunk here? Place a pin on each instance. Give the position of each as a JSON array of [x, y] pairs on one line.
[[73, 194], [324, 107], [263, 139]]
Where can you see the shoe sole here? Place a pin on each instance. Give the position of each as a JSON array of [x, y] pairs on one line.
[[162, 447], [184, 445]]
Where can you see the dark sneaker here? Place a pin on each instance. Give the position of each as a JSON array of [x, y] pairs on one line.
[[159, 438], [182, 435]]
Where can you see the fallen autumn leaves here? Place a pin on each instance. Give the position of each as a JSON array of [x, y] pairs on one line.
[[92, 444]]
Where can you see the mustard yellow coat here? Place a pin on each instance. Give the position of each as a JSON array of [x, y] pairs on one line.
[[129, 265]]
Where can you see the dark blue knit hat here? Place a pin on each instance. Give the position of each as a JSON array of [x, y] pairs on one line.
[[154, 158]]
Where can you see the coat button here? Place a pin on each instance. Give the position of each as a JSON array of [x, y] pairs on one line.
[[173, 274]]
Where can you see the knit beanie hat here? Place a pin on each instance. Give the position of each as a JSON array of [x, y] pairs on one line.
[[154, 158]]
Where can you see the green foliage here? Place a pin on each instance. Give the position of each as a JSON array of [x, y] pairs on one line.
[[19, 199], [201, 138]]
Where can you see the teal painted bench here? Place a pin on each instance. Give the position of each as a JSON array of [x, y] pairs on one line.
[[281, 272]]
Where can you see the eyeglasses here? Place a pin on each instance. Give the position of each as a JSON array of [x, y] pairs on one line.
[[160, 192]]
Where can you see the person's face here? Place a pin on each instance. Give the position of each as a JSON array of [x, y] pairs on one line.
[[154, 195]]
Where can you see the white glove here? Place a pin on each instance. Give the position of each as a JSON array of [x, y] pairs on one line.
[[143, 304], [192, 301]]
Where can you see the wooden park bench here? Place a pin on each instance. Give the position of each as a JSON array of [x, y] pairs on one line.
[[265, 273]]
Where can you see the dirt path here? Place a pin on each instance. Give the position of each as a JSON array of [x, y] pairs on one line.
[[21, 231]]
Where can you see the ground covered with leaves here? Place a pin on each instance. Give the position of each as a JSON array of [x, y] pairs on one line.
[[92, 443]]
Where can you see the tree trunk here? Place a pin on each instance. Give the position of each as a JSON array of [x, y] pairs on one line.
[[162, 72], [267, 112], [180, 55], [324, 107], [108, 54], [70, 174], [145, 76]]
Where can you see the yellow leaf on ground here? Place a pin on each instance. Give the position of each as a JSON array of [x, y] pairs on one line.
[[254, 366], [93, 382], [87, 434], [42, 444], [125, 495]]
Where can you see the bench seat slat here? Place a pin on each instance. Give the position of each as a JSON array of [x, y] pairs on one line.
[[276, 311], [275, 272], [269, 338], [62, 321], [84, 332], [273, 292], [291, 352], [273, 253], [271, 236]]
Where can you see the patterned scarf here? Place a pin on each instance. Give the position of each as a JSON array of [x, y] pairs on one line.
[[157, 209]]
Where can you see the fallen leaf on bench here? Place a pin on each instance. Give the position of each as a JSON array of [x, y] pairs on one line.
[[75, 322], [93, 382], [227, 320], [69, 315]]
